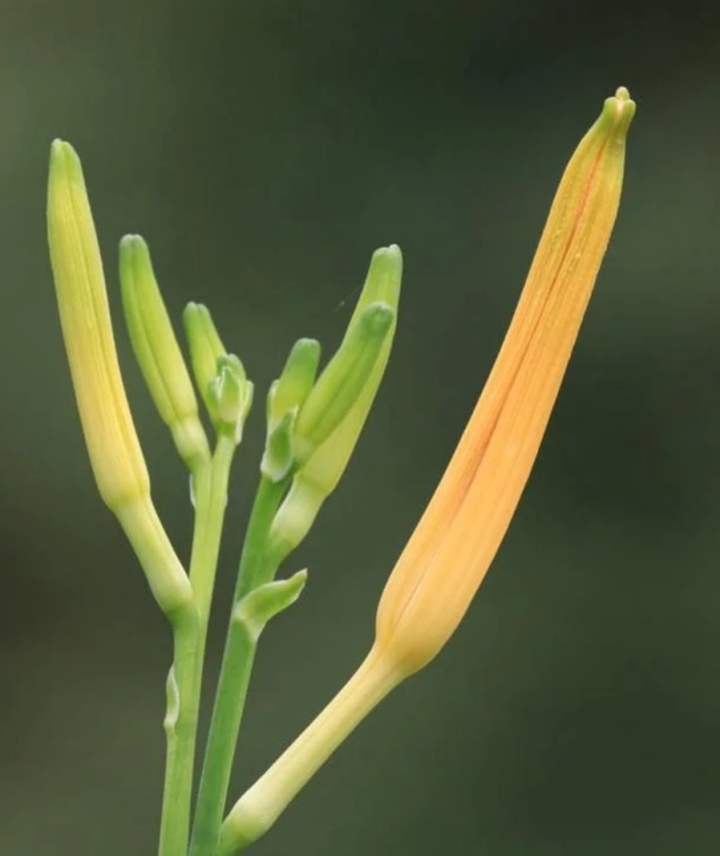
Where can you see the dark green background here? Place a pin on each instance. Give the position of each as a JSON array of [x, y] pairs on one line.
[[264, 149]]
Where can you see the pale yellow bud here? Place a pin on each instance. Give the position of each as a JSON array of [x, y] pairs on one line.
[[112, 442], [115, 455]]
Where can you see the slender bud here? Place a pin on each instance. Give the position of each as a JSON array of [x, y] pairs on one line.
[[454, 543], [114, 449], [158, 353], [318, 477], [291, 389], [112, 442], [342, 380], [457, 537], [286, 396], [205, 345]]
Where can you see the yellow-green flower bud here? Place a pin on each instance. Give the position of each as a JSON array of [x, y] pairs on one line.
[[320, 473], [230, 396], [342, 380], [206, 348], [293, 386], [158, 353], [112, 442], [287, 394]]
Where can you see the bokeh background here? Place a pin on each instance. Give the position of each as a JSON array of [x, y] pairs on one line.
[[264, 148]]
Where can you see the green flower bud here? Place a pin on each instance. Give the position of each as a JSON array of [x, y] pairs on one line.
[[157, 351], [205, 347], [319, 475], [343, 379], [297, 378], [230, 396]]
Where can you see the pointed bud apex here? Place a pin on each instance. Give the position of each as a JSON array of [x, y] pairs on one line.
[[297, 378], [205, 346], [157, 351], [112, 442], [266, 601]]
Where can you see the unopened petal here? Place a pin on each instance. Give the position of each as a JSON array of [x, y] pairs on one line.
[[461, 530]]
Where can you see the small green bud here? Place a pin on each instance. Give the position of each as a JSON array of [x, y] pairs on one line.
[[266, 601], [230, 396], [297, 378], [205, 346], [157, 351], [343, 379]]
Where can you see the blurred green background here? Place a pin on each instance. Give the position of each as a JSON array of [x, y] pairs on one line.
[[264, 148]]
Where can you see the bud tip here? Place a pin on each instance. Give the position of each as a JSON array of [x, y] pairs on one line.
[[619, 109]]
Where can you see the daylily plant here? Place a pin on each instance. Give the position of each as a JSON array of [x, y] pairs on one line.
[[313, 423]]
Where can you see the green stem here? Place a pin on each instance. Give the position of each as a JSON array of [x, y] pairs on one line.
[[255, 569], [210, 483], [180, 725], [210, 502]]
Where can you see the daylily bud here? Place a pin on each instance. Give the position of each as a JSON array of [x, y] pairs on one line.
[[230, 396], [342, 380], [451, 549], [112, 442], [319, 475], [157, 351], [205, 345], [293, 386], [287, 394], [457, 538], [114, 449]]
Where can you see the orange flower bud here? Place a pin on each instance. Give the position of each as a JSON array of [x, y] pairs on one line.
[[452, 547], [457, 537]]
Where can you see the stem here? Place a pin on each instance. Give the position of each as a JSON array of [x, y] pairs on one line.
[[255, 569], [210, 483], [180, 725], [257, 810]]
